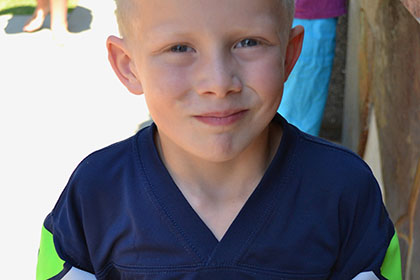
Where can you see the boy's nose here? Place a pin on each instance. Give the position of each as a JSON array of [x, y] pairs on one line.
[[217, 76]]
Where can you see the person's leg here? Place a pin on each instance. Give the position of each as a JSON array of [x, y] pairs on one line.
[[306, 90], [38, 17], [58, 15]]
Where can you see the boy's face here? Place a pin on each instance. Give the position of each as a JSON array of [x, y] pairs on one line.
[[212, 71]]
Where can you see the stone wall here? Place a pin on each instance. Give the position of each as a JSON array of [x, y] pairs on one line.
[[383, 78]]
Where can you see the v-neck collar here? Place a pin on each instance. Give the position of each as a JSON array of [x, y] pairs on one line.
[[187, 224]]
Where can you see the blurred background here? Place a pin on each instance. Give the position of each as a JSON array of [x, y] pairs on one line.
[[59, 101]]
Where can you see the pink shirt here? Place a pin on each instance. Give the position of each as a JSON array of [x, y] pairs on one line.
[[313, 9]]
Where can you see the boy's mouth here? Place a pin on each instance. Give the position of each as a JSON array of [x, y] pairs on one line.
[[221, 118]]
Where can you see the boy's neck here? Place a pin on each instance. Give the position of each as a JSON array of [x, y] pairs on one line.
[[217, 182]]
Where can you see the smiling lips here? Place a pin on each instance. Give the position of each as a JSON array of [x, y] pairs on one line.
[[221, 118]]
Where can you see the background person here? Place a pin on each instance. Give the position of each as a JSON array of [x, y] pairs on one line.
[[306, 90], [58, 10]]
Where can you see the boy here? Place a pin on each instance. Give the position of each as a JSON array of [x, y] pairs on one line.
[[220, 187]]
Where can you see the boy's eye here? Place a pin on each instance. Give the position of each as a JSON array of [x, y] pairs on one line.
[[247, 43], [180, 49]]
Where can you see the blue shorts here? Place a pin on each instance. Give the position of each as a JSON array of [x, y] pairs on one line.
[[306, 90]]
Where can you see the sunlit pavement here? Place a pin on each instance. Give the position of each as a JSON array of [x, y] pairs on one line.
[[59, 101]]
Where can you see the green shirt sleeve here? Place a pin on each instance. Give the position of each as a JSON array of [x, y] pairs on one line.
[[49, 263]]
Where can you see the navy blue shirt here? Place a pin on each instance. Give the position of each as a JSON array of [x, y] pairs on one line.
[[316, 214]]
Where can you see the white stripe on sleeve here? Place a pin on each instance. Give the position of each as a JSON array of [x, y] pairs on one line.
[[77, 274], [366, 276]]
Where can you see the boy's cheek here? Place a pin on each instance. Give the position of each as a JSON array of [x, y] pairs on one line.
[[167, 81], [266, 78]]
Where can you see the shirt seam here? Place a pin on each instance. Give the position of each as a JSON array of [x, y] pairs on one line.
[[246, 247], [156, 202], [201, 267], [335, 148]]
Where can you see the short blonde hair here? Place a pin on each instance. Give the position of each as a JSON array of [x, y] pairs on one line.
[[125, 7], [122, 12]]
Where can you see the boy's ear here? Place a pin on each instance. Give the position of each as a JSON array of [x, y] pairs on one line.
[[294, 48], [122, 64]]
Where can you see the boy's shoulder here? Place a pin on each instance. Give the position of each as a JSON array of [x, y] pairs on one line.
[[104, 160], [102, 169], [326, 165], [321, 153]]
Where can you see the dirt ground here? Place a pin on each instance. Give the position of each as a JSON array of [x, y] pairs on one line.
[[333, 115]]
